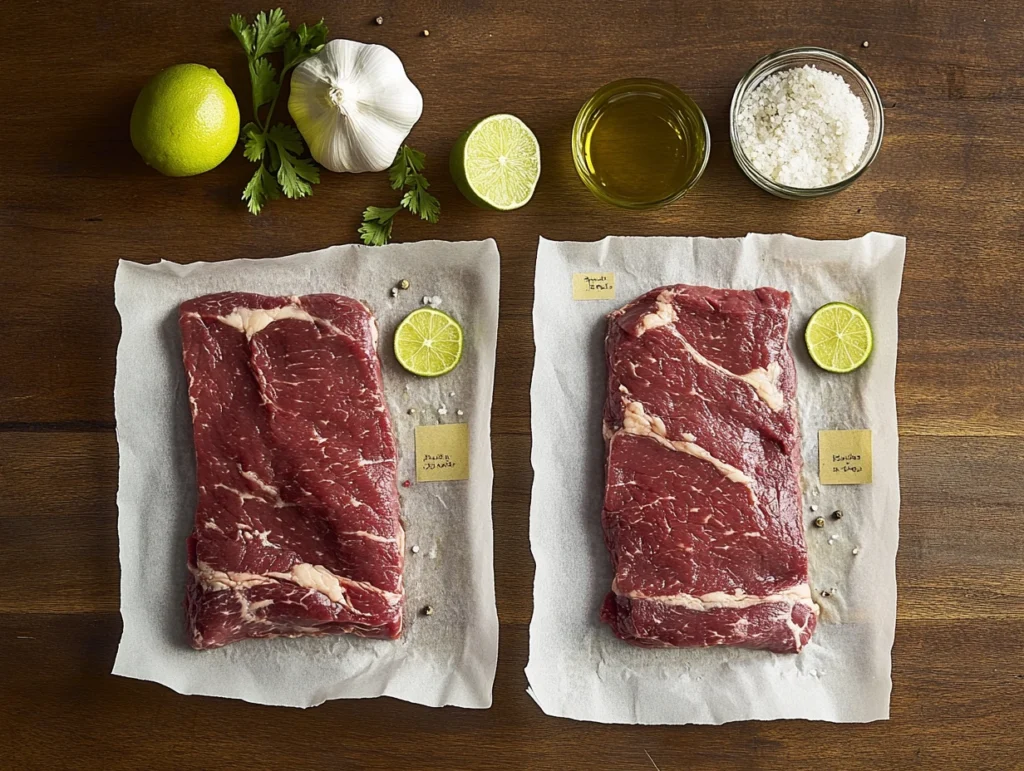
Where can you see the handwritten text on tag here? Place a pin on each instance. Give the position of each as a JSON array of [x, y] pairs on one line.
[[844, 457], [442, 452], [593, 286]]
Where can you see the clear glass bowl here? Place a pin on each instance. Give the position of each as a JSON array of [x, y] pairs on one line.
[[688, 121], [828, 61]]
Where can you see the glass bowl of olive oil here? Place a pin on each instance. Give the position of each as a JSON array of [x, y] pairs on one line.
[[640, 143]]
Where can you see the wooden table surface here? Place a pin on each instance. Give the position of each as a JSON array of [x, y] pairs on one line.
[[75, 198]]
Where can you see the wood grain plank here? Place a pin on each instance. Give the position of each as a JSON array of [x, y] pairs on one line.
[[946, 710]]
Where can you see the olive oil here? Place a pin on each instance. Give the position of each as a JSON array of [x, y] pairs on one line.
[[643, 143]]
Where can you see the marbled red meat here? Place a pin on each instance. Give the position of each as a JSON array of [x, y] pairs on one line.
[[297, 528], [702, 512]]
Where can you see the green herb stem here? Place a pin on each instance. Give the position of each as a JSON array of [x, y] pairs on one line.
[[279, 150]]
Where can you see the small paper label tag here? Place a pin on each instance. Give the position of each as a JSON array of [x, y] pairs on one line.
[[593, 286], [442, 452], [844, 457]]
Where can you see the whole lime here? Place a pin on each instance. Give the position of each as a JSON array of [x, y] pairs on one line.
[[185, 120]]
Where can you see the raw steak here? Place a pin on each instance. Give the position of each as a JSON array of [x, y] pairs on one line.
[[702, 510], [297, 528]]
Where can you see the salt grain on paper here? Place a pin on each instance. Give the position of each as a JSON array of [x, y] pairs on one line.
[[803, 127]]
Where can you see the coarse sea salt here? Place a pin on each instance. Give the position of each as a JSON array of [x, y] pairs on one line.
[[803, 127]]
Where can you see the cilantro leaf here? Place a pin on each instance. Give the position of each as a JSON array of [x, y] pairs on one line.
[[377, 225], [307, 41], [405, 172], [246, 35], [255, 142], [265, 85], [286, 137], [312, 37], [295, 175], [271, 31], [419, 201], [261, 188], [407, 163]]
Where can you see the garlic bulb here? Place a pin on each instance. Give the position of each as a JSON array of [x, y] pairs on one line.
[[354, 105]]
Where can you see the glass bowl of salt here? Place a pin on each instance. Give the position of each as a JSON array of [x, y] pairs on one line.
[[805, 123]]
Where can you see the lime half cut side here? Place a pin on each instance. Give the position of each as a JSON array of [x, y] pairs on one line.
[[496, 163], [838, 337], [428, 342]]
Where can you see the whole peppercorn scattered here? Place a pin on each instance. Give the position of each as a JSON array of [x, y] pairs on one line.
[[837, 514], [379, 20], [819, 522], [428, 610], [406, 483], [403, 284]]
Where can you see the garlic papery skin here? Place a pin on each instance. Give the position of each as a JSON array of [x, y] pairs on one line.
[[354, 105]]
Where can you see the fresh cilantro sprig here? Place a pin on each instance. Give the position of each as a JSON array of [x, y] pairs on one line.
[[377, 224], [406, 172], [278, 149]]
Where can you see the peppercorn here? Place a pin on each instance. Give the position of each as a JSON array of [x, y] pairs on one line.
[[819, 522], [426, 33], [837, 514], [403, 284], [379, 20], [825, 593], [428, 610]]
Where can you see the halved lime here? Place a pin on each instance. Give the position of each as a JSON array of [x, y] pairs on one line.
[[496, 163], [428, 342], [838, 337]]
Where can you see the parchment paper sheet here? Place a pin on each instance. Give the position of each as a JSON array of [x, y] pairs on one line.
[[577, 668], [448, 658]]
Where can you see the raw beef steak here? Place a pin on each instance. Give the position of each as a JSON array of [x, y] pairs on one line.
[[297, 528], [702, 511]]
